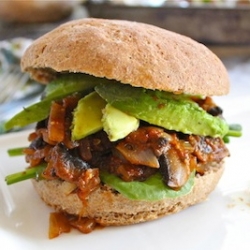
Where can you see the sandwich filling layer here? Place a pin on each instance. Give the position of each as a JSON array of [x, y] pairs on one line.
[[147, 153]]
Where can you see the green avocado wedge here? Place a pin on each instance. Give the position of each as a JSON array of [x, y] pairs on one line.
[[62, 86], [70, 83], [152, 189], [87, 116], [168, 110], [34, 113], [117, 124]]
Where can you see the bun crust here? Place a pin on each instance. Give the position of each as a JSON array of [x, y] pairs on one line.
[[133, 53], [108, 207]]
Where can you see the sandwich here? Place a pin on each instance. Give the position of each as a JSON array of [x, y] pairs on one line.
[[126, 130]]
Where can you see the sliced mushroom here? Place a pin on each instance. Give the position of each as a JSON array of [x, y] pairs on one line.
[[138, 156], [175, 172]]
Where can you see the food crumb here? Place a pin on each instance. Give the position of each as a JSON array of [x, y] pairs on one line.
[[240, 200]]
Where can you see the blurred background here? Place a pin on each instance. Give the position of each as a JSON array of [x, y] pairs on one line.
[[222, 25], [213, 22]]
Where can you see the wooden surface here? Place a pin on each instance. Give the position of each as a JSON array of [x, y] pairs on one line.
[[209, 25], [226, 51], [223, 50]]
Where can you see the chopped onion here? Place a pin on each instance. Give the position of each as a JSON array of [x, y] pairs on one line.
[[68, 187], [56, 128], [58, 223]]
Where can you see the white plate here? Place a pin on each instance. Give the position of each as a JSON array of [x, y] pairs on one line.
[[222, 222]]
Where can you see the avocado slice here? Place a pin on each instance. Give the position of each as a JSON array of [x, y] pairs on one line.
[[34, 113], [65, 84], [87, 116], [118, 124], [168, 110]]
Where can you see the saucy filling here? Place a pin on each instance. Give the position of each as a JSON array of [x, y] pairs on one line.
[[138, 156]]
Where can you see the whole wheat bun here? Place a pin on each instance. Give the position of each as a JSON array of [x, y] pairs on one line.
[[109, 208], [133, 53]]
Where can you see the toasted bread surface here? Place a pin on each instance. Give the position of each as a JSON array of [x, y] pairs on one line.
[[109, 207]]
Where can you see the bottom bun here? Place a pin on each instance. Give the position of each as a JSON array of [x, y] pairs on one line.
[[109, 207]]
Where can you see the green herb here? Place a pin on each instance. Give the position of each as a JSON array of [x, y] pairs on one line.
[[226, 139], [68, 84], [29, 173], [59, 88], [235, 130], [34, 113], [15, 151]]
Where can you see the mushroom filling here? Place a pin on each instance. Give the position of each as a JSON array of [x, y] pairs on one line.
[[136, 157]]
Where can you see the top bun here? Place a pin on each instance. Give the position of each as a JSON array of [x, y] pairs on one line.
[[130, 52]]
